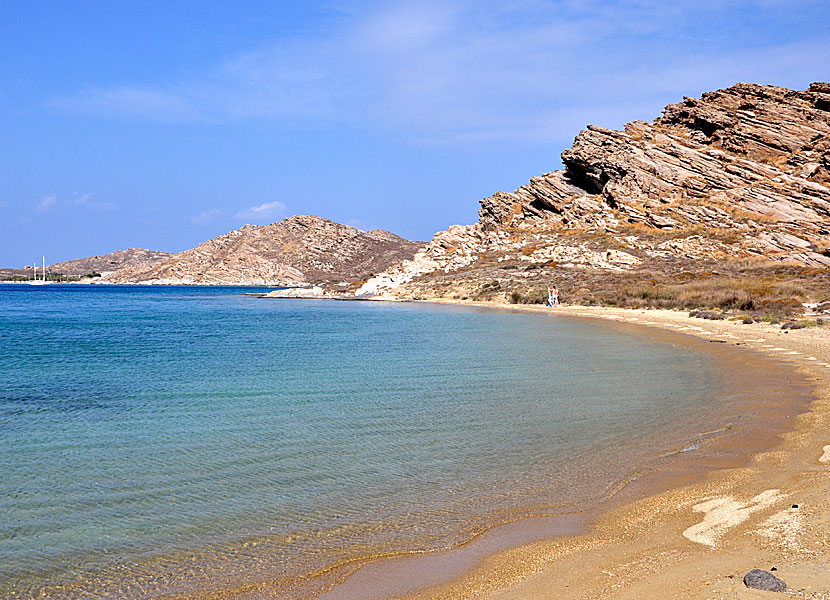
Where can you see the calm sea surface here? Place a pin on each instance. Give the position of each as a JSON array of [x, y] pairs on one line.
[[160, 440]]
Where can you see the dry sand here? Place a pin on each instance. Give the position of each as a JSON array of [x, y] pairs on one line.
[[696, 541]]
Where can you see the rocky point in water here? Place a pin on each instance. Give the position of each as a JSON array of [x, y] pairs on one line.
[[731, 186]]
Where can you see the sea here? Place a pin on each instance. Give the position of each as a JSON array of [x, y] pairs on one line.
[[185, 440]]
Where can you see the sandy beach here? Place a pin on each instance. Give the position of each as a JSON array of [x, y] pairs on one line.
[[694, 540]]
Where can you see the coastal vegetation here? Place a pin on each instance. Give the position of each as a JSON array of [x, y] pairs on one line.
[[747, 287]]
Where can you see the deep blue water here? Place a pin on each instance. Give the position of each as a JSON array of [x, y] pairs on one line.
[[158, 439]]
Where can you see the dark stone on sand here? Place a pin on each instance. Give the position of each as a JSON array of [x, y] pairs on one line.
[[707, 314], [764, 580]]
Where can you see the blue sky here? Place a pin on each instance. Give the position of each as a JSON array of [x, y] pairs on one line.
[[160, 125]]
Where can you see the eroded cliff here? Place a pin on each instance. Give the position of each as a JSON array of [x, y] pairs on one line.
[[735, 183]]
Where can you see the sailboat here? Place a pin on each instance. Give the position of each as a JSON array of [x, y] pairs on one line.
[[41, 281]]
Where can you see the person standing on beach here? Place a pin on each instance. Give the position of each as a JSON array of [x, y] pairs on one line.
[[553, 297]]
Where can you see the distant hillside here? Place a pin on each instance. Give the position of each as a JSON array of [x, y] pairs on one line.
[[297, 250], [107, 263]]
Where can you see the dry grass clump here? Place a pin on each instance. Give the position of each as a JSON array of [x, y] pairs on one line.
[[753, 287], [531, 296], [716, 292], [490, 290]]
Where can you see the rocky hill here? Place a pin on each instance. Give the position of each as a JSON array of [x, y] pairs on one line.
[[298, 250], [724, 201], [107, 263]]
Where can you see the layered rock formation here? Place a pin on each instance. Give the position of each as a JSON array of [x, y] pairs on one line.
[[740, 173], [107, 263], [298, 250]]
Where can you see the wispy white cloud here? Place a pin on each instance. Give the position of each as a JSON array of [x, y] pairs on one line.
[[205, 217], [84, 201], [46, 203], [267, 211], [473, 72]]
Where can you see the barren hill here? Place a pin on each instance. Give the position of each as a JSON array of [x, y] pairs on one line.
[[296, 250], [724, 201], [131, 257]]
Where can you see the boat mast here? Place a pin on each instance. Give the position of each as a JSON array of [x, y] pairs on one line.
[[43, 272]]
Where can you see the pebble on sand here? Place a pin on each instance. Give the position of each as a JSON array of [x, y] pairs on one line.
[[764, 580]]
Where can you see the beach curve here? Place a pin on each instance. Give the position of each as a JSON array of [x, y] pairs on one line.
[[638, 550]]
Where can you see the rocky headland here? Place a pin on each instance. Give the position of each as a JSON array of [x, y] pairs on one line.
[[724, 201], [299, 250], [109, 263], [91, 266]]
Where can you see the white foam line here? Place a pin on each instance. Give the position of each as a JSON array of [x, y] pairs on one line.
[[810, 358], [793, 352]]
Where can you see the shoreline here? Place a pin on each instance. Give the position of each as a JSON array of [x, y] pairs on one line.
[[728, 519]]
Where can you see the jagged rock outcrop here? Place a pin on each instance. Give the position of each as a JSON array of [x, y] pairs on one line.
[[739, 173], [448, 250], [107, 263], [298, 250]]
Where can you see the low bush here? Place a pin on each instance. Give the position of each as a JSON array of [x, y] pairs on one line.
[[535, 297], [707, 314]]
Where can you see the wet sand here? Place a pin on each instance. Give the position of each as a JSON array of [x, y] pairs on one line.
[[759, 500]]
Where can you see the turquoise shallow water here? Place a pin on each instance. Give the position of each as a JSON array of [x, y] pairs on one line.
[[157, 440]]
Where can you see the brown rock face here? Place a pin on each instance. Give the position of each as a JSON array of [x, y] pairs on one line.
[[739, 173], [760, 150], [300, 249], [120, 259]]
